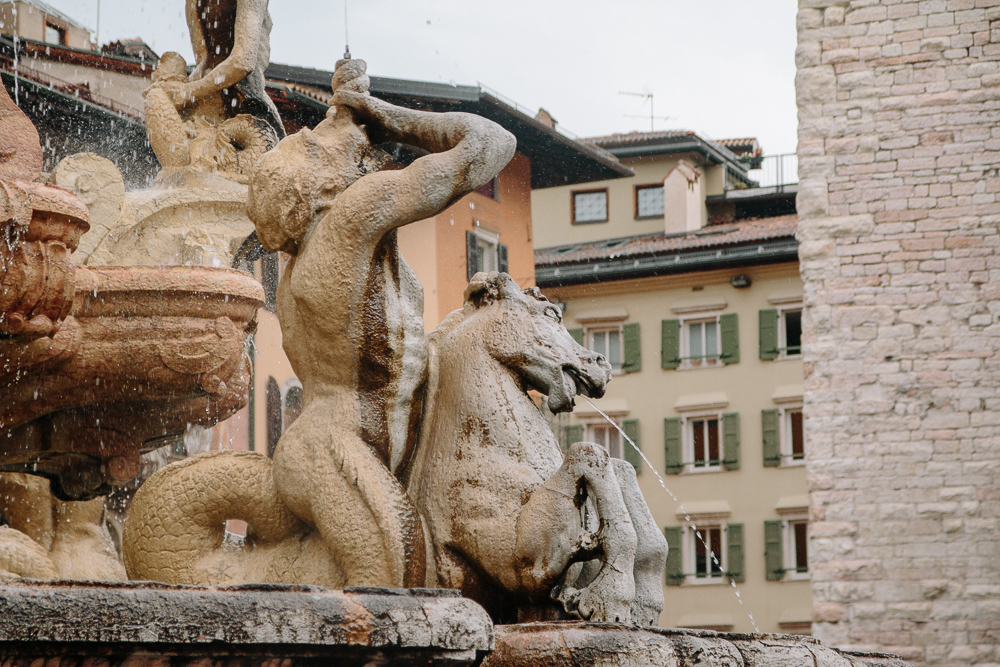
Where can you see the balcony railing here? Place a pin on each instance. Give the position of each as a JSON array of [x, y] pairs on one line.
[[777, 173]]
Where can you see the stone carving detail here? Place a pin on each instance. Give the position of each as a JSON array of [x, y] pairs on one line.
[[351, 315], [46, 538], [512, 520]]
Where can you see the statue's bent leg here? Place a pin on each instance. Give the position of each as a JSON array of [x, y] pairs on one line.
[[333, 480], [650, 552]]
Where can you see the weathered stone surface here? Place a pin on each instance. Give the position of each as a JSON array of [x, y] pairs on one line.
[[899, 216], [351, 315], [251, 625], [575, 644]]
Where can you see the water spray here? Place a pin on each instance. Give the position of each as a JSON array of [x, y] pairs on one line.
[[687, 517]]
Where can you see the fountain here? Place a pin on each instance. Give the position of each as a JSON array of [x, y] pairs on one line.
[[419, 464]]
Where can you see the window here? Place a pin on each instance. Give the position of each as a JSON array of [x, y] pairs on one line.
[[701, 342], [797, 547], [704, 450], [590, 206], [793, 446], [706, 553], [607, 341], [786, 546], [784, 436], [790, 332], [648, 201], [484, 252], [55, 34], [781, 332], [607, 436], [490, 189], [293, 404]]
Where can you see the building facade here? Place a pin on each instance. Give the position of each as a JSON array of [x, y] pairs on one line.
[[702, 325], [899, 162]]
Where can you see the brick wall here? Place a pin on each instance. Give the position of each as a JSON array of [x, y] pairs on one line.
[[899, 151]]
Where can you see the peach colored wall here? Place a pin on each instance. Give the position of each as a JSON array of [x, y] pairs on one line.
[[31, 25], [509, 217]]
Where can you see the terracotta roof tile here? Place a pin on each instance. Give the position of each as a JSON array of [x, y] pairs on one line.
[[736, 233], [622, 138]]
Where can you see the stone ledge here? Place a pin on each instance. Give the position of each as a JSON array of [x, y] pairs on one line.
[[115, 623], [572, 644]]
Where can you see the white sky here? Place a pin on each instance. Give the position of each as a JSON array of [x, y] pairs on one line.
[[723, 68]]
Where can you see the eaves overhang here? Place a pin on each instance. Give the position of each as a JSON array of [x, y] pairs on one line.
[[772, 251], [556, 159]]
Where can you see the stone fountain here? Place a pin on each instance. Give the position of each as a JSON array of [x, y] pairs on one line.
[[418, 500]]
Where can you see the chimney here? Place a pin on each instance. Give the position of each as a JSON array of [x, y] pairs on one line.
[[682, 198], [545, 118]]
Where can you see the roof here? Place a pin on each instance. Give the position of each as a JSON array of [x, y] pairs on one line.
[[741, 145], [663, 142], [50, 10], [556, 159], [744, 242]]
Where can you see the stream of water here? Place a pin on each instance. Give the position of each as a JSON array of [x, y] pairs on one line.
[[687, 517]]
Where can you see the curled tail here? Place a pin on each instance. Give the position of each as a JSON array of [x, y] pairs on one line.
[[175, 530]]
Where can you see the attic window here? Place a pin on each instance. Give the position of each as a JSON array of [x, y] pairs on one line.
[[55, 34]]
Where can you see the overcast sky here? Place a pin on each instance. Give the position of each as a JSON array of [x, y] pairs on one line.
[[723, 68]]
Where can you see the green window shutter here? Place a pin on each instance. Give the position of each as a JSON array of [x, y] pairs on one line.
[[729, 325], [772, 444], [577, 335], [631, 428], [675, 555], [731, 441], [672, 445], [773, 558], [735, 559], [471, 255], [574, 433], [768, 334], [632, 348], [670, 344]]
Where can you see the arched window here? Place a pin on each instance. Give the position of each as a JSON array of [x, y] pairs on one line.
[[273, 395], [293, 404]]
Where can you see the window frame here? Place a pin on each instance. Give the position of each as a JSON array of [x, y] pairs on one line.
[[607, 327], [783, 332], [486, 238], [635, 200], [689, 362], [572, 206], [494, 188], [590, 424], [687, 441], [61, 31], [785, 411], [690, 554], [789, 551]]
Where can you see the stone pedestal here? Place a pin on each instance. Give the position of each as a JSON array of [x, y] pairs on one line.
[[576, 644], [137, 624]]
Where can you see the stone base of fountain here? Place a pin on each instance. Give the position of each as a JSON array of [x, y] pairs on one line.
[[580, 644], [138, 624]]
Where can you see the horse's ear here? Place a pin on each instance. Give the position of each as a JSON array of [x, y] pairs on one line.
[[482, 289], [534, 293]]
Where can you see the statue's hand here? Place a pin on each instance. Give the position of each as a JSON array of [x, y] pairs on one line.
[[378, 115], [177, 92]]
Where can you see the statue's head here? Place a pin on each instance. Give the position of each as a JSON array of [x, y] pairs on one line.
[[171, 68], [524, 331], [298, 181]]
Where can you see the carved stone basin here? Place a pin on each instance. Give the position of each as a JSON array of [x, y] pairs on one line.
[[144, 352]]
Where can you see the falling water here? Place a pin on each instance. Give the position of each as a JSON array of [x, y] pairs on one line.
[[687, 517]]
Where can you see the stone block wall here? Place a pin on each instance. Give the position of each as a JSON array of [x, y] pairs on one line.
[[899, 162]]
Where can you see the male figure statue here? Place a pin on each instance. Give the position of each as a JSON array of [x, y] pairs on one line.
[[351, 311]]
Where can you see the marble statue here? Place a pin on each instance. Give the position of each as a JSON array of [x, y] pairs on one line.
[[207, 129], [514, 523], [351, 315]]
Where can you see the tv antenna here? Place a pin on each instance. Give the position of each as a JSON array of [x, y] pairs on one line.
[[347, 42], [645, 96]]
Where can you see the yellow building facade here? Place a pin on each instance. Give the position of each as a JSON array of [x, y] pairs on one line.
[[701, 323]]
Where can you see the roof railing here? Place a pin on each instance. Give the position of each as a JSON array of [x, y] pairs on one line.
[[776, 172]]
